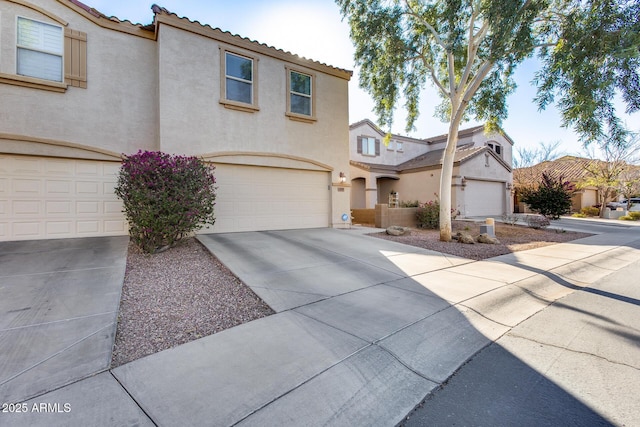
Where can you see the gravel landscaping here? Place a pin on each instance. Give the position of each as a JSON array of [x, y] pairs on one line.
[[185, 293], [178, 296], [512, 238]]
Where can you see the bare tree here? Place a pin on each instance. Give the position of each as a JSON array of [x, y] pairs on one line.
[[607, 171], [526, 157]]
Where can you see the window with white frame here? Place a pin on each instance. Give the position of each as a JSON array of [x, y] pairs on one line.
[[40, 48], [398, 146], [238, 78], [300, 93], [368, 146]]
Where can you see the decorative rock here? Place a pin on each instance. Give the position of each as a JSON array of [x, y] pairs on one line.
[[485, 238], [464, 238], [396, 230]]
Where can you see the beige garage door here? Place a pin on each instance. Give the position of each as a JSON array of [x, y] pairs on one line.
[[484, 198], [48, 198], [264, 198]]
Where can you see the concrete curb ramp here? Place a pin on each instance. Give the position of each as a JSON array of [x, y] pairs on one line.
[[365, 329]]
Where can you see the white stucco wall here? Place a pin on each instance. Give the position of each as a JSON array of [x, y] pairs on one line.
[[116, 112]]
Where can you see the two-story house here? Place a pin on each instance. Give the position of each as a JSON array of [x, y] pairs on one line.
[[411, 167], [79, 89]]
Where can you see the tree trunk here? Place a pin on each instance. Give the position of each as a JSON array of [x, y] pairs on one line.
[[446, 179]]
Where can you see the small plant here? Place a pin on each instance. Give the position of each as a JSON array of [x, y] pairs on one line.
[[165, 197], [590, 211], [511, 219], [428, 214], [626, 218], [537, 221], [579, 215], [635, 215], [409, 204]]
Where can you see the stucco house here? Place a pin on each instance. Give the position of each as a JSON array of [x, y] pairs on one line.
[[78, 89], [411, 168], [570, 168]]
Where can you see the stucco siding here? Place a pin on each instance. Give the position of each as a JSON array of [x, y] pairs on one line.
[[116, 112]]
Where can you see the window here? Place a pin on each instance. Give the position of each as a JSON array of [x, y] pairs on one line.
[[40, 50], [238, 78], [301, 104], [495, 147], [300, 93], [368, 146], [398, 146]]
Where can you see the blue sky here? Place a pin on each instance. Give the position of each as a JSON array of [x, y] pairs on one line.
[[314, 29]]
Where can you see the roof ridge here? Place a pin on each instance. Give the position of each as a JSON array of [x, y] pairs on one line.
[[159, 9]]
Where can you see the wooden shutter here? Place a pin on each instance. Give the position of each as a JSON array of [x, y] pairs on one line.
[[360, 144], [377, 147], [75, 58]]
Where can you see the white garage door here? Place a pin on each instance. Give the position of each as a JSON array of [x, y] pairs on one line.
[[484, 198], [264, 198], [45, 198]]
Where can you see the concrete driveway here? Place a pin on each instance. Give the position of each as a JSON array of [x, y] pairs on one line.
[[365, 328], [59, 303]]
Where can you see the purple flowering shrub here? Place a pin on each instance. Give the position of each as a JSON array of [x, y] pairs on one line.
[[166, 197], [428, 214]]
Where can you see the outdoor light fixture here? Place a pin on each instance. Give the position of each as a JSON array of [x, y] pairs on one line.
[[343, 178]]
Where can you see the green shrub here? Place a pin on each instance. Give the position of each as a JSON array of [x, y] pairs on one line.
[[634, 215], [626, 218], [552, 198], [165, 197], [579, 215], [590, 211], [409, 204], [428, 214]]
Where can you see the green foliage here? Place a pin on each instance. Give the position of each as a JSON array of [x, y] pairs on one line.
[[409, 204], [634, 215], [165, 197], [579, 215], [590, 211], [428, 214], [552, 198], [627, 218]]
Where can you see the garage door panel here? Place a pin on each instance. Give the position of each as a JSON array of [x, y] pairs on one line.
[[43, 197], [253, 198], [484, 198]]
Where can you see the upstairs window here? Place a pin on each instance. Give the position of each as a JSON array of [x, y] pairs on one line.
[[238, 78], [300, 93], [398, 146], [368, 146], [495, 147], [40, 49]]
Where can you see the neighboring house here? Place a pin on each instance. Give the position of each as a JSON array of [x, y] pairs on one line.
[[570, 168], [411, 167], [78, 89]]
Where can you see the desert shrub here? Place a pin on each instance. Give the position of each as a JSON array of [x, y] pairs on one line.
[[165, 197], [626, 218], [579, 215], [537, 221], [428, 214], [634, 215], [551, 198], [409, 204], [511, 219], [590, 211]]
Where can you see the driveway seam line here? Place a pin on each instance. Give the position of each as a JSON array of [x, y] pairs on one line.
[[53, 322], [131, 397]]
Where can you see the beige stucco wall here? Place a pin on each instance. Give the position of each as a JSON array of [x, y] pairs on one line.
[[116, 112], [389, 155], [193, 121]]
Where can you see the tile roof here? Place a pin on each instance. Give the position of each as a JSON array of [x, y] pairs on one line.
[[570, 168]]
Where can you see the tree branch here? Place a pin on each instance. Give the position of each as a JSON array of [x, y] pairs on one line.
[[430, 27]]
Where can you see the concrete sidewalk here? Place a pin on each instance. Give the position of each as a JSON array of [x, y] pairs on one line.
[[365, 329]]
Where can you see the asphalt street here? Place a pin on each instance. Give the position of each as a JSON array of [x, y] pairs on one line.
[[576, 363]]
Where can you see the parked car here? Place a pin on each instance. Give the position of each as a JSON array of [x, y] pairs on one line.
[[635, 204]]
